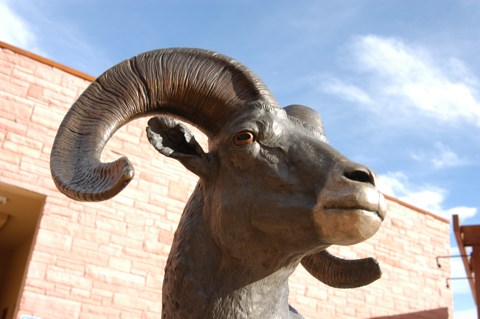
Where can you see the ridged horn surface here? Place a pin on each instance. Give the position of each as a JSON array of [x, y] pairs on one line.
[[342, 273], [201, 87]]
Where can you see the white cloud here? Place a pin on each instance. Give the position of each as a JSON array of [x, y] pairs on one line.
[[460, 72], [14, 30], [445, 90], [465, 314], [392, 183], [446, 157], [429, 198], [346, 91], [463, 212], [441, 157]]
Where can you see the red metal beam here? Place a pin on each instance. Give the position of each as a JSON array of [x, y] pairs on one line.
[[476, 270], [461, 248], [470, 236]]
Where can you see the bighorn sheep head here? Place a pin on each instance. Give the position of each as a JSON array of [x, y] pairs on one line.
[[272, 192]]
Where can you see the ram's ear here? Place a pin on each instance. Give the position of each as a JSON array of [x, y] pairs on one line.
[[342, 273], [175, 140]]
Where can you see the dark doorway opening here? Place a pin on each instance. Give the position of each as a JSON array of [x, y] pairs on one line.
[[20, 212]]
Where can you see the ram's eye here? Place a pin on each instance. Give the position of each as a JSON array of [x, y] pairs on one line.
[[243, 138]]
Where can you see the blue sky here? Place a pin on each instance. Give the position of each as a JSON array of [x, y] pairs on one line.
[[397, 82]]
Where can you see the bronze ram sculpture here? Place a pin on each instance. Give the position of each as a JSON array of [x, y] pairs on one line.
[[271, 192]]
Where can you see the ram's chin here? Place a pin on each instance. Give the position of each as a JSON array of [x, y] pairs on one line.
[[346, 226]]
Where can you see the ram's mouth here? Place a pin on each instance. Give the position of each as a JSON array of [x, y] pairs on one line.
[[366, 202], [349, 216], [375, 213]]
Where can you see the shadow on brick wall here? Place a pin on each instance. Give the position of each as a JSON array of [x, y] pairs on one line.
[[439, 313]]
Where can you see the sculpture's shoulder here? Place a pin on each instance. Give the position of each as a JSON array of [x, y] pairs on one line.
[[294, 313]]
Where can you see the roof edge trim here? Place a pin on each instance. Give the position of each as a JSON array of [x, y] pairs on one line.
[[419, 210], [47, 61]]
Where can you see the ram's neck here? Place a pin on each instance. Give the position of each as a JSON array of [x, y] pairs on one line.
[[201, 281], [264, 298]]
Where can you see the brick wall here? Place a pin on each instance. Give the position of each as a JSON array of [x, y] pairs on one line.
[[105, 260]]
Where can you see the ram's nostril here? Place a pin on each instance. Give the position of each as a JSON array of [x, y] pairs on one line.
[[362, 175]]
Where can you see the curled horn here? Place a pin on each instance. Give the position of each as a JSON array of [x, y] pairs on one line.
[[342, 273], [200, 87], [331, 270]]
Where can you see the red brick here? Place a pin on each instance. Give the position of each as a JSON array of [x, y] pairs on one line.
[[88, 256], [102, 294], [89, 311], [7, 126], [84, 294], [47, 116], [11, 88], [35, 91], [133, 302], [48, 73], [50, 239], [22, 145], [121, 264], [37, 270], [58, 275], [114, 277], [110, 225], [55, 307], [9, 160]]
